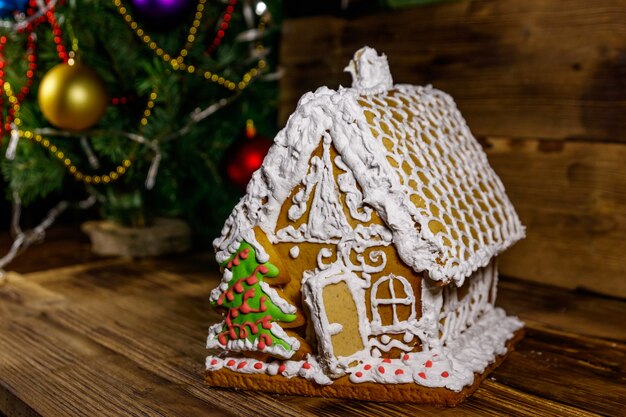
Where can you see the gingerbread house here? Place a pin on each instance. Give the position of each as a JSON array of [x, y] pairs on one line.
[[361, 263]]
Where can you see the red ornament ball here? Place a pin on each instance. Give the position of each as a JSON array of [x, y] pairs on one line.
[[245, 156]]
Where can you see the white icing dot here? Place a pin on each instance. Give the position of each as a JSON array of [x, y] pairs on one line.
[[385, 339], [294, 251], [408, 337]]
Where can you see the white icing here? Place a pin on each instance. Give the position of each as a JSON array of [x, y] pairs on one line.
[[408, 299], [354, 197], [358, 241], [370, 72], [227, 275], [459, 314], [281, 303], [311, 371], [243, 344], [326, 219], [472, 352], [294, 252]]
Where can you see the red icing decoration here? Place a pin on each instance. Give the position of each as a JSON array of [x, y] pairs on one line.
[[405, 357], [306, 365], [242, 364], [428, 364], [367, 367], [214, 362], [359, 374], [230, 362], [264, 339], [387, 360], [258, 365], [422, 375], [281, 369], [399, 371], [381, 369], [445, 374]]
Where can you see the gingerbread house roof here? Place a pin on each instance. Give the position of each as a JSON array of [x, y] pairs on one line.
[[415, 160]]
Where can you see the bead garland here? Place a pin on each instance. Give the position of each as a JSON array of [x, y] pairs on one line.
[[32, 7], [112, 176], [223, 26], [30, 73], [149, 106], [177, 63], [58, 35]]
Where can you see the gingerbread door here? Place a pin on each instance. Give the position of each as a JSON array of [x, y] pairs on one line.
[[337, 300]]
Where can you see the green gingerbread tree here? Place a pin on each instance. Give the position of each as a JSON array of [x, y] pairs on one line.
[[251, 307]]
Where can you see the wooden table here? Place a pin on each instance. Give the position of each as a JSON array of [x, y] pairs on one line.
[[117, 337]]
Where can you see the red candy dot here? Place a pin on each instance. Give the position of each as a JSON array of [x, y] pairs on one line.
[[230, 362], [428, 364], [306, 365], [386, 360], [258, 365], [381, 369], [422, 375], [445, 374], [214, 362], [405, 357], [242, 364], [359, 374], [281, 369], [399, 371], [367, 367]]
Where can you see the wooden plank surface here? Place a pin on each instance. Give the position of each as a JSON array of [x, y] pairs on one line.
[[117, 337], [571, 196], [534, 68]]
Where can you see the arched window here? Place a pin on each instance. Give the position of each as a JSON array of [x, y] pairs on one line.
[[393, 303]]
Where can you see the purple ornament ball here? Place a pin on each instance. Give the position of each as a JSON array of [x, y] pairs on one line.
[[162, 14]]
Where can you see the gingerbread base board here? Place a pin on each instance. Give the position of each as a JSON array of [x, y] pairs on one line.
[[343, 388]]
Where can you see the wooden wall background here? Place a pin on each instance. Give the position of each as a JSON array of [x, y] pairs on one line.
[[542, 84]]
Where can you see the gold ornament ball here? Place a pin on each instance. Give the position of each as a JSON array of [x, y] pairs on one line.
[[72, 97]]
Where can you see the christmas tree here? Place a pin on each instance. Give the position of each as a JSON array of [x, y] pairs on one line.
[[253, 308], [168, 92]]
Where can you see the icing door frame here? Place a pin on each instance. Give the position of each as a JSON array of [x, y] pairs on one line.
[[313, 290]]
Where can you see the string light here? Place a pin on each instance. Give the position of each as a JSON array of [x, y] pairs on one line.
[[222, 27], [177, 63], [109, 177]]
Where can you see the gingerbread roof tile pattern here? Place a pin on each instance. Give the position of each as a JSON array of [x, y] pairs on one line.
[[414, 158], [456, 197]]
